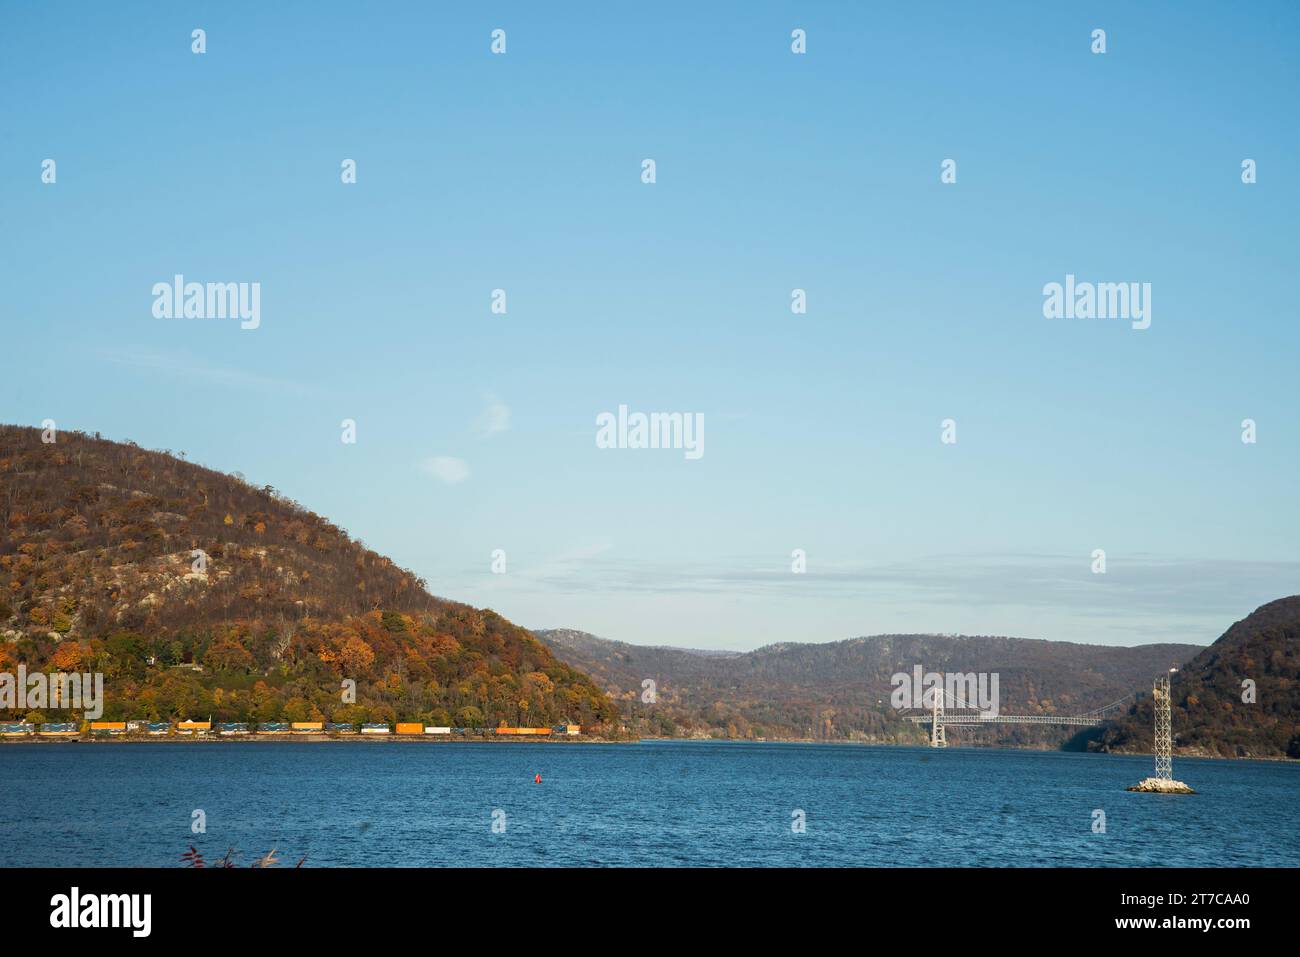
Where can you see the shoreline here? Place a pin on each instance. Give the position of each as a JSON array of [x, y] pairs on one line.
[[311, 739], [566, 739], [1187, 756]]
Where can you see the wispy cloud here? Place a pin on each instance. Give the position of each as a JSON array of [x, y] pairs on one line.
[[494, 419], [570, 564], [185, 366], [1162, 593], [450, 471]]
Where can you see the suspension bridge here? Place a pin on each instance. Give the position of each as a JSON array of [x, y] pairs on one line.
[[1163, 783], [940, 718]]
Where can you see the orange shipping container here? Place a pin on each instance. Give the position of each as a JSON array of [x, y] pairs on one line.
[[108, 726], [307, 726], [409, 727], [194, 726]]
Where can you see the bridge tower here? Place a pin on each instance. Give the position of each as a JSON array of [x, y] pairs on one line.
[[937, 737], [1164, 747]]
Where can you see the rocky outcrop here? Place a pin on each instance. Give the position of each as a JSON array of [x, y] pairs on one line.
[[1161, 786]]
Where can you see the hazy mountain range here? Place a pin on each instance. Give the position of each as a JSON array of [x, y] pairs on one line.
[[841, 690], [1239, 697]]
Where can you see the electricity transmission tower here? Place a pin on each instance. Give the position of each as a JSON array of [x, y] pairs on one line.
[[1164, 738]]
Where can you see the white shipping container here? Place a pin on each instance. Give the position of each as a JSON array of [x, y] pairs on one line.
[[432, 730]]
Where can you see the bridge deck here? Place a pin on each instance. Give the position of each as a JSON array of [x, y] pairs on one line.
[[969, 719]]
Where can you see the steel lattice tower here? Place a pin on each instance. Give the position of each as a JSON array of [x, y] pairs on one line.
[[1164, 738]]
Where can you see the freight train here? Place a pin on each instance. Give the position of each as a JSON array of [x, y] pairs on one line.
[[233, 729]]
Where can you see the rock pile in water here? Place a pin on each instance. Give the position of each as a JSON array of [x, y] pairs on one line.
[[1161, 786]]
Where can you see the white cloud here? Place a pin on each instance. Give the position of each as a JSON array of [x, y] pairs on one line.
[[494, 419], [446, 469]]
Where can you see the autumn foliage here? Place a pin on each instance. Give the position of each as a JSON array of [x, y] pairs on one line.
[[198, 594]]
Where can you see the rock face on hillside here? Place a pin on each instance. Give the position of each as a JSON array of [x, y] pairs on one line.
[[1240, 697], [196, 593]]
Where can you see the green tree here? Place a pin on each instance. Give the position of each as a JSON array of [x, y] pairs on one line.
[[469, 717]]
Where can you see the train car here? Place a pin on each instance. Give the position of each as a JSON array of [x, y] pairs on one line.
[[376, 729], [230, 728], [432, 730], [193, 727], [157, 727], [572, 729], [16, 729], [108, 727], [58, 730], [273, 727], [307, 727], [333, 728], [522, 731], [410, 727]]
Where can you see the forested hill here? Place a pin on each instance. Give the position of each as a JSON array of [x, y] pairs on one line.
[[198, 594], [841, 690], [1240, 697]]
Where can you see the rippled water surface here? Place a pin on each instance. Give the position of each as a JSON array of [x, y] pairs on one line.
[[654, 803]]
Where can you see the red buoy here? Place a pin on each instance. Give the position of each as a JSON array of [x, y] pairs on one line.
[[537, 779]]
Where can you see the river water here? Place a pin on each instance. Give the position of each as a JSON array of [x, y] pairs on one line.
[[652, 804]]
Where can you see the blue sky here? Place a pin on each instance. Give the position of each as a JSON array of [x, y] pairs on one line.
[[775, 171]]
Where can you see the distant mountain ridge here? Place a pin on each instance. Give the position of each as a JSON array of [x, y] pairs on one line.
[[568, 637], [840, 690]]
